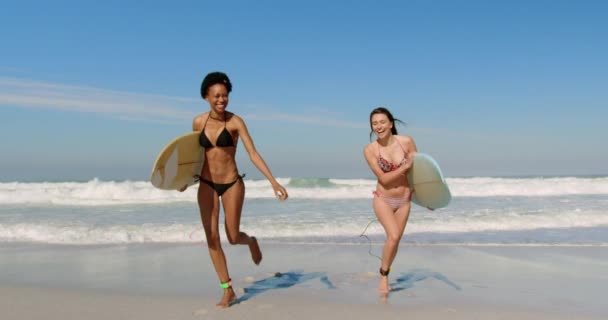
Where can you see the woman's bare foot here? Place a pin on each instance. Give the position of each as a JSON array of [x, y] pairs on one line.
[[228, 298], [383, 286], [256, 254]]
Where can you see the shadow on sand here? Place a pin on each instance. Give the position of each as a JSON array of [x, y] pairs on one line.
[[409, 279], [282, 281]]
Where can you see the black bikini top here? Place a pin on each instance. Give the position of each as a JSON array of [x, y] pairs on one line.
[[224, 140]]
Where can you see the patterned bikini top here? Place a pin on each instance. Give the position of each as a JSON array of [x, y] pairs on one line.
[[388, 166]]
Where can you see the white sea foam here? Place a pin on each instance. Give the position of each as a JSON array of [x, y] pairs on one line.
[[287, 227], [531, 187], [102, 193], [81, 234]]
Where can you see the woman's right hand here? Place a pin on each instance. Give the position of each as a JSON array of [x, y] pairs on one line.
[[279, 191]]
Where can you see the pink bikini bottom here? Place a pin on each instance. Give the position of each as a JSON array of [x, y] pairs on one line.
[[394, 203]]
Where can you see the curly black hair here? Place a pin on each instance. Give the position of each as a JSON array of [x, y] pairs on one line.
[[215, 78]]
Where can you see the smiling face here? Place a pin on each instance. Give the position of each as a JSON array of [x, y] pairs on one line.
[[217, 96], [381, 125]]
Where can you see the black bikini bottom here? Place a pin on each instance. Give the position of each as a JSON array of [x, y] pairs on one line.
[[220, 188]]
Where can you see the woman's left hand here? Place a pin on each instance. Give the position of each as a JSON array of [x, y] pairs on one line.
[[279, 191], [409, 162]]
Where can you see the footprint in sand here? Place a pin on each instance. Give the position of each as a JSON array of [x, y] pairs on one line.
[[365, 276], [199, 312]]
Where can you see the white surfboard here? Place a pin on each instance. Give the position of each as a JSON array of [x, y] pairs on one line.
[[179, 163], [430, 189]]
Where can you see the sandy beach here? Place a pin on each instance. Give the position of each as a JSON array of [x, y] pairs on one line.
[[339, 108], [303, 282]]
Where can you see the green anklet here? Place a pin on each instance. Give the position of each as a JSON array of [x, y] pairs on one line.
[[227, 284]]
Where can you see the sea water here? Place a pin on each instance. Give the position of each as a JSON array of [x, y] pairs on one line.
[[484, 211]]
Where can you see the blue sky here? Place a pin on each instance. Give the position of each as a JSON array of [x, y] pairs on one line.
[[488, 88]]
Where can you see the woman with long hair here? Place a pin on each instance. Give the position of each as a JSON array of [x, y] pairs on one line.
[[389, 158]]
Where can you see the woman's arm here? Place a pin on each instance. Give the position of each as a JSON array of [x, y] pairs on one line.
[[385, 178], [197, 123], [257, 159]]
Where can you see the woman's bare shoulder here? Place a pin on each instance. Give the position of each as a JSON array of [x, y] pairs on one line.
[[233, 116], [236, 120], [370, 147], [198, 121], [407, 142], [405, 139]]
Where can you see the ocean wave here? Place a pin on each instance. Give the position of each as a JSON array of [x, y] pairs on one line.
[[530, 187], [101, 193], [82, 233]]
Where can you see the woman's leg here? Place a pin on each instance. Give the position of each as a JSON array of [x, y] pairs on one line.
[[385, 215], [401, 216], [232, 201], [209, 206], [394, 224]]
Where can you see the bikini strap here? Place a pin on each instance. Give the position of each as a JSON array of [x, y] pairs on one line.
[[399, 143], [205, 125]]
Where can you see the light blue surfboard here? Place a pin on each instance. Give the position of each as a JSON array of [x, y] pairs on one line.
[[430, 189]]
